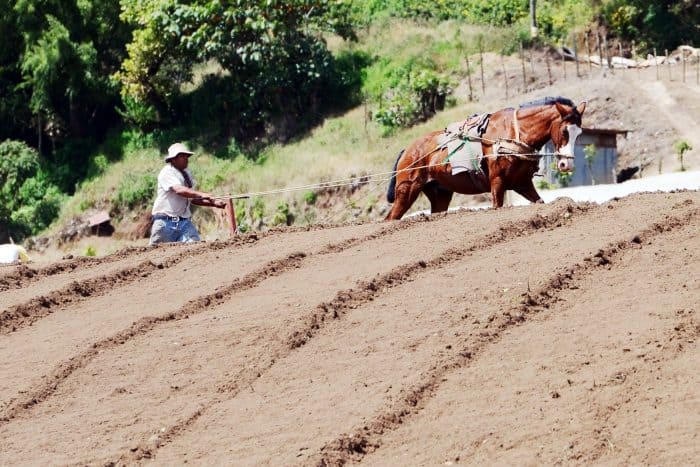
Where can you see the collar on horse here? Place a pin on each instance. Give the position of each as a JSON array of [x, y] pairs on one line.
[[515, 147]]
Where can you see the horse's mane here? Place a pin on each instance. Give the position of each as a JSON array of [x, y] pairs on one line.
[[549, 101]]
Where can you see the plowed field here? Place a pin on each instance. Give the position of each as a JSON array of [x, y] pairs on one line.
[[536, 335]]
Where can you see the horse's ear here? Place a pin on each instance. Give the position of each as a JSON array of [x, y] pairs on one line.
[[563, 110], [581, 107]]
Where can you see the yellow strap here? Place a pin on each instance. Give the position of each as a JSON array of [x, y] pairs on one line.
[[515, 124]]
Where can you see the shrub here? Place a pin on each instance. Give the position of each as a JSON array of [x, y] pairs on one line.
[[310, 197], [29, 202], [681, 147], [416, 99], [282, 216], [563, 178], [543, 184]]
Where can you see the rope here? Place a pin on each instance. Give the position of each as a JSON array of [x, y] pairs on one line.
[[374, 178]]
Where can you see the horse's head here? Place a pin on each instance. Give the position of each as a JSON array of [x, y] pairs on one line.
[[564, 131]]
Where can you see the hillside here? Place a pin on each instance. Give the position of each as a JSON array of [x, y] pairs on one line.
[[657, 112], [543, 334]]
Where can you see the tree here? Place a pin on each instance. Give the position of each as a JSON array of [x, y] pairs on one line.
[[58, 67], [273, 58], [664, 24]]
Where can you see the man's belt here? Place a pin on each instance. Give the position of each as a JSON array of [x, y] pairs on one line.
[[169, 218]]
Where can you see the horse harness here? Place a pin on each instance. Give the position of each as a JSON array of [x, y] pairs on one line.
[[515, 147]]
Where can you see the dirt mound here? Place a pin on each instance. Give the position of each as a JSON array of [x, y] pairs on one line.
[[543, 334]]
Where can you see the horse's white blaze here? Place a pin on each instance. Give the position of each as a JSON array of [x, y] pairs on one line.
[[566, 163]]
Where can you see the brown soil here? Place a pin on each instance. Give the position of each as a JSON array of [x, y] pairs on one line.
[[558, 333]]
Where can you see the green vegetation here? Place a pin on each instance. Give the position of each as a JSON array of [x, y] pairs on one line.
[[91, 93], [563, 178], [681, 147], [590, 152], [29, 201], [543, 184]]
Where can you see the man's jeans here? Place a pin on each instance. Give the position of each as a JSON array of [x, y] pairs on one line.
[[173, 229]]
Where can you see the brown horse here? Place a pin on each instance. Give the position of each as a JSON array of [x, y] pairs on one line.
[[510, 144]]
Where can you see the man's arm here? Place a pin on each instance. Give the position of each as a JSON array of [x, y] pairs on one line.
[[199, 198]]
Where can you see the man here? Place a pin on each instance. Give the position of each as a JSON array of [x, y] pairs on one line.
[[171, 209]]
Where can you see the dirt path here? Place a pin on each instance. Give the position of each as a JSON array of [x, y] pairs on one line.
[[550, 333], [678, 105]]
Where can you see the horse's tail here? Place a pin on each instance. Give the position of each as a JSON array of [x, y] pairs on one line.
[[391, 192]]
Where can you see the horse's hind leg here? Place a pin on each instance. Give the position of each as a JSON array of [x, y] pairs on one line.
[[439, 197], [406, 194], [529, 192]]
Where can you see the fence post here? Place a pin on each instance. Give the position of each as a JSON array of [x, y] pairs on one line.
[[668, 66], [607, 53], [469, 77], [683, 60], [563, 60], [588, 51], [549, 70], [505, 75], [598, 44], [578, 74], [619, 49], [634, 57], [481, 63], [656, 64], [231, 214], [522, 63]]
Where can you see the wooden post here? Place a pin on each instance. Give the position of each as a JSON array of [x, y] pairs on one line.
[[607, 53], [619, 48], [578, 74], [656, 64], [231, 214], [469, 78], [481, 63], [683, 61], [563, 61], [588, 51], [634, 57], [522, 63], [549, 69], [364, 102], [505, 75], [668, 66], [599, 46]]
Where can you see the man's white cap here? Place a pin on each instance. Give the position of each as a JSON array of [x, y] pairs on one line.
[[175, 149]]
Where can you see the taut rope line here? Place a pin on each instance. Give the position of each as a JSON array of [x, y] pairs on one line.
[[375, 178]]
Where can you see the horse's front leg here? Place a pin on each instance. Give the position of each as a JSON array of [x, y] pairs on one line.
[[498, 190], [406, 194]]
